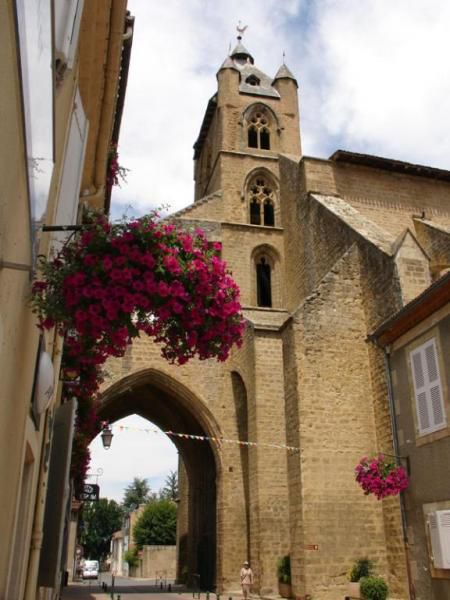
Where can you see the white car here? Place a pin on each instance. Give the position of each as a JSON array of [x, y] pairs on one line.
[[90, 569]]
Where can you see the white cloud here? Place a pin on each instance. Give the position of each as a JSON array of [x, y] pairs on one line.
[[133, 453]]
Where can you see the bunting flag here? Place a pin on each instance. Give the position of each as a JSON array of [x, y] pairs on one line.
[[205, 438]]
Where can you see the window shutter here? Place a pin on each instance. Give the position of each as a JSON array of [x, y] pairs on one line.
[[69, 190], [67, 18], [427, 386]]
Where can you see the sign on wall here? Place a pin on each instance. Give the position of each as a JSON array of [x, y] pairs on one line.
[[90, 493]]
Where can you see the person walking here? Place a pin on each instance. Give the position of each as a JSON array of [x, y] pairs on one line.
[[246, 579]]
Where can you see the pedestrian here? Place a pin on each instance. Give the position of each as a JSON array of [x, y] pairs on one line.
[[246, 579]]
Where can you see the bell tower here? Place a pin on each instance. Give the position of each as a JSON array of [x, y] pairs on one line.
[[249, 121]]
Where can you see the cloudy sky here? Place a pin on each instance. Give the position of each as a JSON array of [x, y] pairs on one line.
[[373, 77]]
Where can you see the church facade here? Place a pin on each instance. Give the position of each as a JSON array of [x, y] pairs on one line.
[[324, 250]]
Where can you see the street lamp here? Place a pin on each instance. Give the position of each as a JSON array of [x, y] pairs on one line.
[[107, 436]]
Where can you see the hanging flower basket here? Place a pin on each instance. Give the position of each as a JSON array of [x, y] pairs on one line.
[[380, 477], [112, 283]]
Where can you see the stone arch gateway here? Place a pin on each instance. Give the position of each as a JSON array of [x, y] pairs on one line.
[[173, 407]]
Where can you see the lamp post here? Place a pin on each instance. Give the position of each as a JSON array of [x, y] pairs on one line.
[[107, 436]]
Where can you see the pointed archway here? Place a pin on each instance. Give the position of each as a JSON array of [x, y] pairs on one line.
[[166, 402]]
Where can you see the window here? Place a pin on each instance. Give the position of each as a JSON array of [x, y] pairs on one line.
[[252, 80], [252, 137], [428, 389], [255, 212], [263, 283], [261, 195], [258, 131], [269, 217]]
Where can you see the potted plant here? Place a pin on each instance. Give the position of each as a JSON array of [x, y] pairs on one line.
[[374, 588], [363, 567], [284, 576]]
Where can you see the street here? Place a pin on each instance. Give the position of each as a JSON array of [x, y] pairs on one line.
[[124, 589]]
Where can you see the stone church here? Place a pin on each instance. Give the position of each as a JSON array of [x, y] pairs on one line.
[[324, 250]]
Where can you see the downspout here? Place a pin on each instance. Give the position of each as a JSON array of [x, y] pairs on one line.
[[395, 443]]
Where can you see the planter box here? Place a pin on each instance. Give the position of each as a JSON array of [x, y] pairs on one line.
[[285, 589], [354, 589]]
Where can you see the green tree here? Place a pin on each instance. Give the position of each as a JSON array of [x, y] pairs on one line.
[[170, 489], [101, 519], [138, 492], [157, 524]]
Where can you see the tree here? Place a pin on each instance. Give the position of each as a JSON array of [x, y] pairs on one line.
[[170, 489], [101, 520], [157, 524], [138, 492]]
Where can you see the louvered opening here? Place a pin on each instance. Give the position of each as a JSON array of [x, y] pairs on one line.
[[427, 385]]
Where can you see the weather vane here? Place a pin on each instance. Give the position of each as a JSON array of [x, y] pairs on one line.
[[240, 30]]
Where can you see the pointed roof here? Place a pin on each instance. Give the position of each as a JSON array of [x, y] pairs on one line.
[[241, 52], [285, 73], [228, 64]]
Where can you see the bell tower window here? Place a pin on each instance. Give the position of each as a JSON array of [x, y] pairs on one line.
[[263, 283], [259, 131], [252, 137], [261, 202], [255, 212], [264, 138], [269, 216]]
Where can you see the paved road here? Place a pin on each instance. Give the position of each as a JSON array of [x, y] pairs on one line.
[[127, 589]]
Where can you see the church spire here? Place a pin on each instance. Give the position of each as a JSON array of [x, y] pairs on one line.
[[240, 54]]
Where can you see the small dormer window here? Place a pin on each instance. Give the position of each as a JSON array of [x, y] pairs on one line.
[[252, 80]]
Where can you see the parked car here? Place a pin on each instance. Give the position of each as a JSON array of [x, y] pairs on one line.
[[90, 569]]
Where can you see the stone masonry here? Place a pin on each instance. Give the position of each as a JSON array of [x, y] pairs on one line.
[[347, 242]]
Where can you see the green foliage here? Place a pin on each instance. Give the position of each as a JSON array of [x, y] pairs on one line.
[[374, 588], [131, 557], [170, 489], [363, 567], [284, 569], [101, 519], [157, 524], [137, 493]]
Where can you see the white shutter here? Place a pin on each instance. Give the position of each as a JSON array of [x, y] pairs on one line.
[[428, 389], [69, 189], [439, 523]]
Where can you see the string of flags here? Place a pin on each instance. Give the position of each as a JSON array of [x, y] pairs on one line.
[[206, 438]]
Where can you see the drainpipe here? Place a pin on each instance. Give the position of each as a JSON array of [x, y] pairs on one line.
[[395, 443]]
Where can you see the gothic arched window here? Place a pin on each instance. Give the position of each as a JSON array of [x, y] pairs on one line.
[[261, 196], [259, 131], [263, 283]]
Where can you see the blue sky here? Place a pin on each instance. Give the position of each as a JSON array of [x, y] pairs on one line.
[[373, 77]]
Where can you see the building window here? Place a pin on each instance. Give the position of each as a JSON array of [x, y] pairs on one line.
[[428, 388], [263, 283], [252, 80], [252, 137], [259, 132], [255, 212], [262, 195], [269, 215]]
